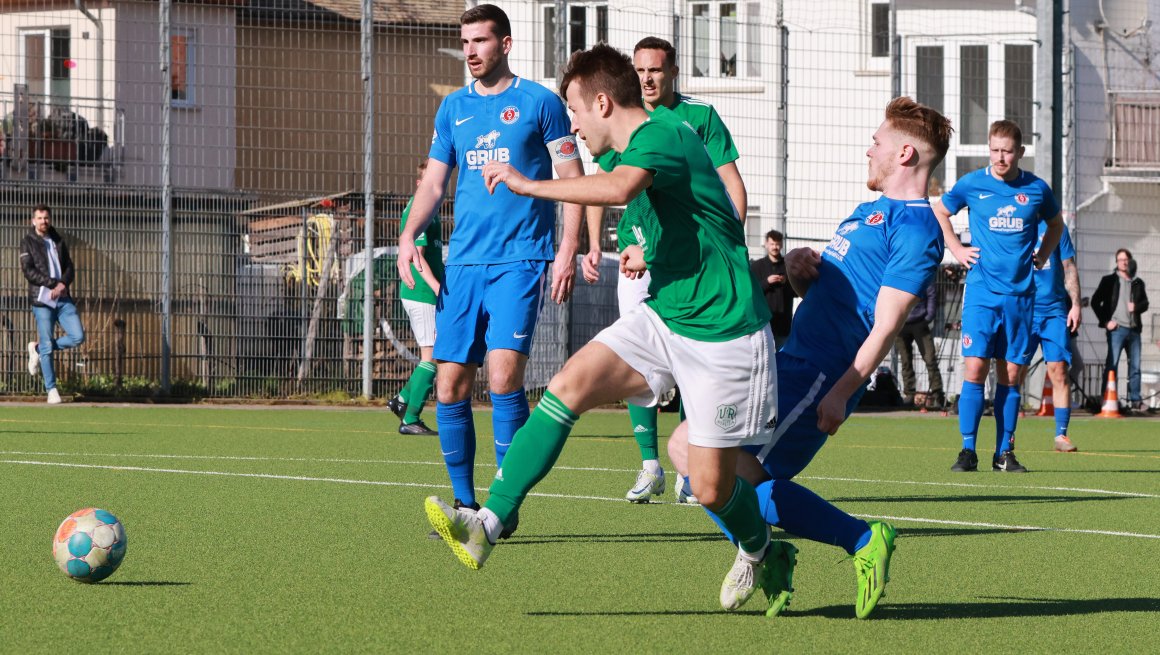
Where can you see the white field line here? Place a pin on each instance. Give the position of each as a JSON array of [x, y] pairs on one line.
[[597, 469], [300, 478]]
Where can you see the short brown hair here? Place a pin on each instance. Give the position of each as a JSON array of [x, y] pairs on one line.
[[657, 43], [774, 235], [921, 122], [483, 13], [602, 69], [1007, 129], [41, 207]]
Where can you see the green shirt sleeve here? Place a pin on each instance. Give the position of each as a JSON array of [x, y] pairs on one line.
[[717, 140]]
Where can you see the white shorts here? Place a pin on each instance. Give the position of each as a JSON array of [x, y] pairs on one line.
[[630, 293], [422, 317], [729, 388]]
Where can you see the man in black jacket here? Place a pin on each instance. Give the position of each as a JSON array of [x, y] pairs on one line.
[[1118, 303], [917, 330], [779, 295], [46, 264]]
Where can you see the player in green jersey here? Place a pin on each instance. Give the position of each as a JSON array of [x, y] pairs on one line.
[[419, 303], [655, 61], [705, 326]]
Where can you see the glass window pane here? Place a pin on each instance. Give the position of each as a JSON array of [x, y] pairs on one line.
[[34, 70], [1019, 86], [577, 29], [973, 118], [729, 40], [880, 29], [701, 51], [929, 76], [550, 42], [179, 66], [753, 40], [602, 24]]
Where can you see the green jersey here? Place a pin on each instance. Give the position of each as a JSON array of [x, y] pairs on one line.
[[703, 118], [431, 241], [694, 243]]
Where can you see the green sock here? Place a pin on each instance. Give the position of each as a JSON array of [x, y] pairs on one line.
[[535, 448], [742, 517], [681, 406], [644, 429], [418, 390]]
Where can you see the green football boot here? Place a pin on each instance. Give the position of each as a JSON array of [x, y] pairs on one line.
[[777, 579], [872, 564]]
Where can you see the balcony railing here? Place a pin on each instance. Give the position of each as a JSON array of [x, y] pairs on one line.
[[1135, 129], [51, 138]]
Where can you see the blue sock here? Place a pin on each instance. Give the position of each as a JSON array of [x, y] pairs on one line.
[[509, 413], [1011, 406], [721, 526], [1000, 408], [801, 512], [1062, 418], [457, 440], [970, 412]]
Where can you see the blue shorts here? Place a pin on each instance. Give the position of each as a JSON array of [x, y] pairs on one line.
[[485, 307], [796, 437], [1051, 332], [997, 326]]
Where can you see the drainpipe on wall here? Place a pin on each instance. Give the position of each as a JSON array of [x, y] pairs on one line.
[[100, 63]]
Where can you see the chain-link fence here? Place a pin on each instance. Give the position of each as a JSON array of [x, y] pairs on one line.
[[242, 126]]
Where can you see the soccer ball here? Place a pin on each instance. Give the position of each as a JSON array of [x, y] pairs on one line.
[[89, 545]]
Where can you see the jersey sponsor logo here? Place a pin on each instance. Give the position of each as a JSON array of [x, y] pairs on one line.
[[1005, 220], [517, 335], [967, 341], [838, 247], [848, 228], [640, 240], [486, 151], [509, 115], [726, 416], [461, 121], [434, 135], [876, 218], [984, 196], [1021, 198]]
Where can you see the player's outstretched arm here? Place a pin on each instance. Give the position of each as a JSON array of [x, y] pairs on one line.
[[428, 196], [1050, 240], [966, 256], [801, 265], [613, 189], [890, 314]]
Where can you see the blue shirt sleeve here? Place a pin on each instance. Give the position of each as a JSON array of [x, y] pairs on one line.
[[1050, 206], [915, 251], [442, 146], [1066, 249], [956, 198], [554, 121]]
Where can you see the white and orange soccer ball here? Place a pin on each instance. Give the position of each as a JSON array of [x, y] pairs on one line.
[[89, 545]]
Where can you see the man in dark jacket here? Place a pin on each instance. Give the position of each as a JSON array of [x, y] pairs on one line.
[[1118, 303], [917, 330], [779, 295], [46, 264]]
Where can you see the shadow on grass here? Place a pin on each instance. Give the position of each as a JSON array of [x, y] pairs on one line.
[[997, 498], [145, 583], [1078, 471], [654, 613], [632, 538], [1000, 608]]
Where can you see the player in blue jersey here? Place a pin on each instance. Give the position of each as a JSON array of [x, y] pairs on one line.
[[1006, 207], [500, 251], [856, 296], [1057, 317]]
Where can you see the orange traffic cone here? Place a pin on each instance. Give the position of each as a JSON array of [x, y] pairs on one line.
[[1047, 402], [1111, 407]]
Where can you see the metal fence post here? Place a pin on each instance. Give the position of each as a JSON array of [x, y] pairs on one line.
[[166, 198], [368, 35]]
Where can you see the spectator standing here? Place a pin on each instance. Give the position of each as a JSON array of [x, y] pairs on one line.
[[917, 330], [1118, 302], [779, 295]]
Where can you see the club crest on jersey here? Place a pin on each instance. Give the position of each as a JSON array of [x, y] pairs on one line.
[[726, 416], [509, 115], [566, 149], [967, 341], [876, 218], [1021, 198]]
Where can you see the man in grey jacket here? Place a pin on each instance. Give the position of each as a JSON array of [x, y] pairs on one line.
[[47, 266]]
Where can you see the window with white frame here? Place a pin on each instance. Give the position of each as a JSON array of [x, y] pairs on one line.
[[724, 39], [880, 29], [183, 67], [587, 25], [46, 63]]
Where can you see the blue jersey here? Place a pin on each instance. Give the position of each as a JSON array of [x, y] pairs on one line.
[[885, 243], [1050, 295], [1004, 219], [526, 126]]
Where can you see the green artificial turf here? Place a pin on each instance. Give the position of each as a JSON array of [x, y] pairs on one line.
[[302, 530]]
